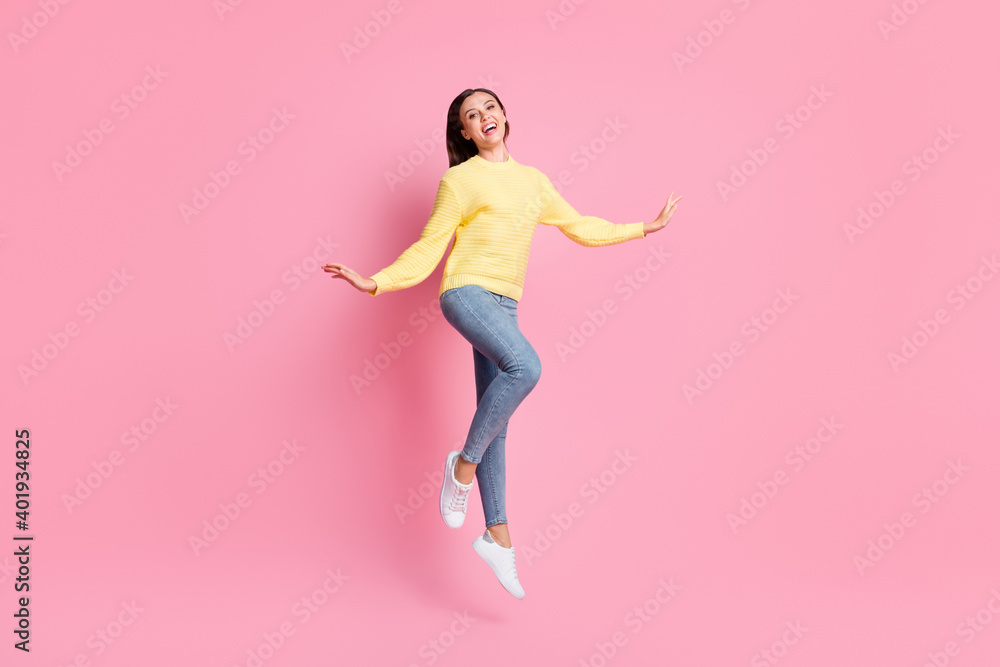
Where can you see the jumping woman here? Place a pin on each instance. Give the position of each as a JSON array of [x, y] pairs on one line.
[[491, 204]]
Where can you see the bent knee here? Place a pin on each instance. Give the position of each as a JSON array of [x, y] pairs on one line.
[[531, 369]]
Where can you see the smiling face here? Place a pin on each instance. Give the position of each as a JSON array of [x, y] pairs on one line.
[[482, 120]]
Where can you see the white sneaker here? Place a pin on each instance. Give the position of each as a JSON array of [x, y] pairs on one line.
[[453, 494], [501, 561]]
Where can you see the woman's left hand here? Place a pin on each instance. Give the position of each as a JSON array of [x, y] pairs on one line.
[[664, 217]]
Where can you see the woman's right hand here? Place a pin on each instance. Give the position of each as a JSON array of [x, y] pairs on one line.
[[351, 276]]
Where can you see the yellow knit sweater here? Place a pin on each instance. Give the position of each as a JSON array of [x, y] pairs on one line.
[[492, 208]]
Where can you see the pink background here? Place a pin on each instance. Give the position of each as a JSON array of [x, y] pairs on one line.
[[320, 180]]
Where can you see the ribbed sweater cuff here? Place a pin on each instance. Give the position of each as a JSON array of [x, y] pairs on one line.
[[382, 282], [634, 230]]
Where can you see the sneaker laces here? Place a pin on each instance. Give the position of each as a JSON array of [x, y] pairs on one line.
[[458, 499], [509, 565]]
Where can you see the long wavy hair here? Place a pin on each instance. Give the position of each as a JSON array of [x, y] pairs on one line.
[[461, 149]]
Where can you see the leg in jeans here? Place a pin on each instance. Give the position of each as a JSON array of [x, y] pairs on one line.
[[492, 470], [489, 322]]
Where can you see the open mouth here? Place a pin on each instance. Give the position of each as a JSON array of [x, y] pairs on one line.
[[491, 128]]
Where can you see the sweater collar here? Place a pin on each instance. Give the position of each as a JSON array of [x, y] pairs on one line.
[[493, 165]]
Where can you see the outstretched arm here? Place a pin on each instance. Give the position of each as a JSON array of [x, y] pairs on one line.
[[418, 261], [590, 230]]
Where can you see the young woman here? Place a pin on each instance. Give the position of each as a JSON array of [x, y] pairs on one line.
[[491, 204]]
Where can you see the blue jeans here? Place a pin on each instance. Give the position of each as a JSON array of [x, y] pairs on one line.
[[507, 369]]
